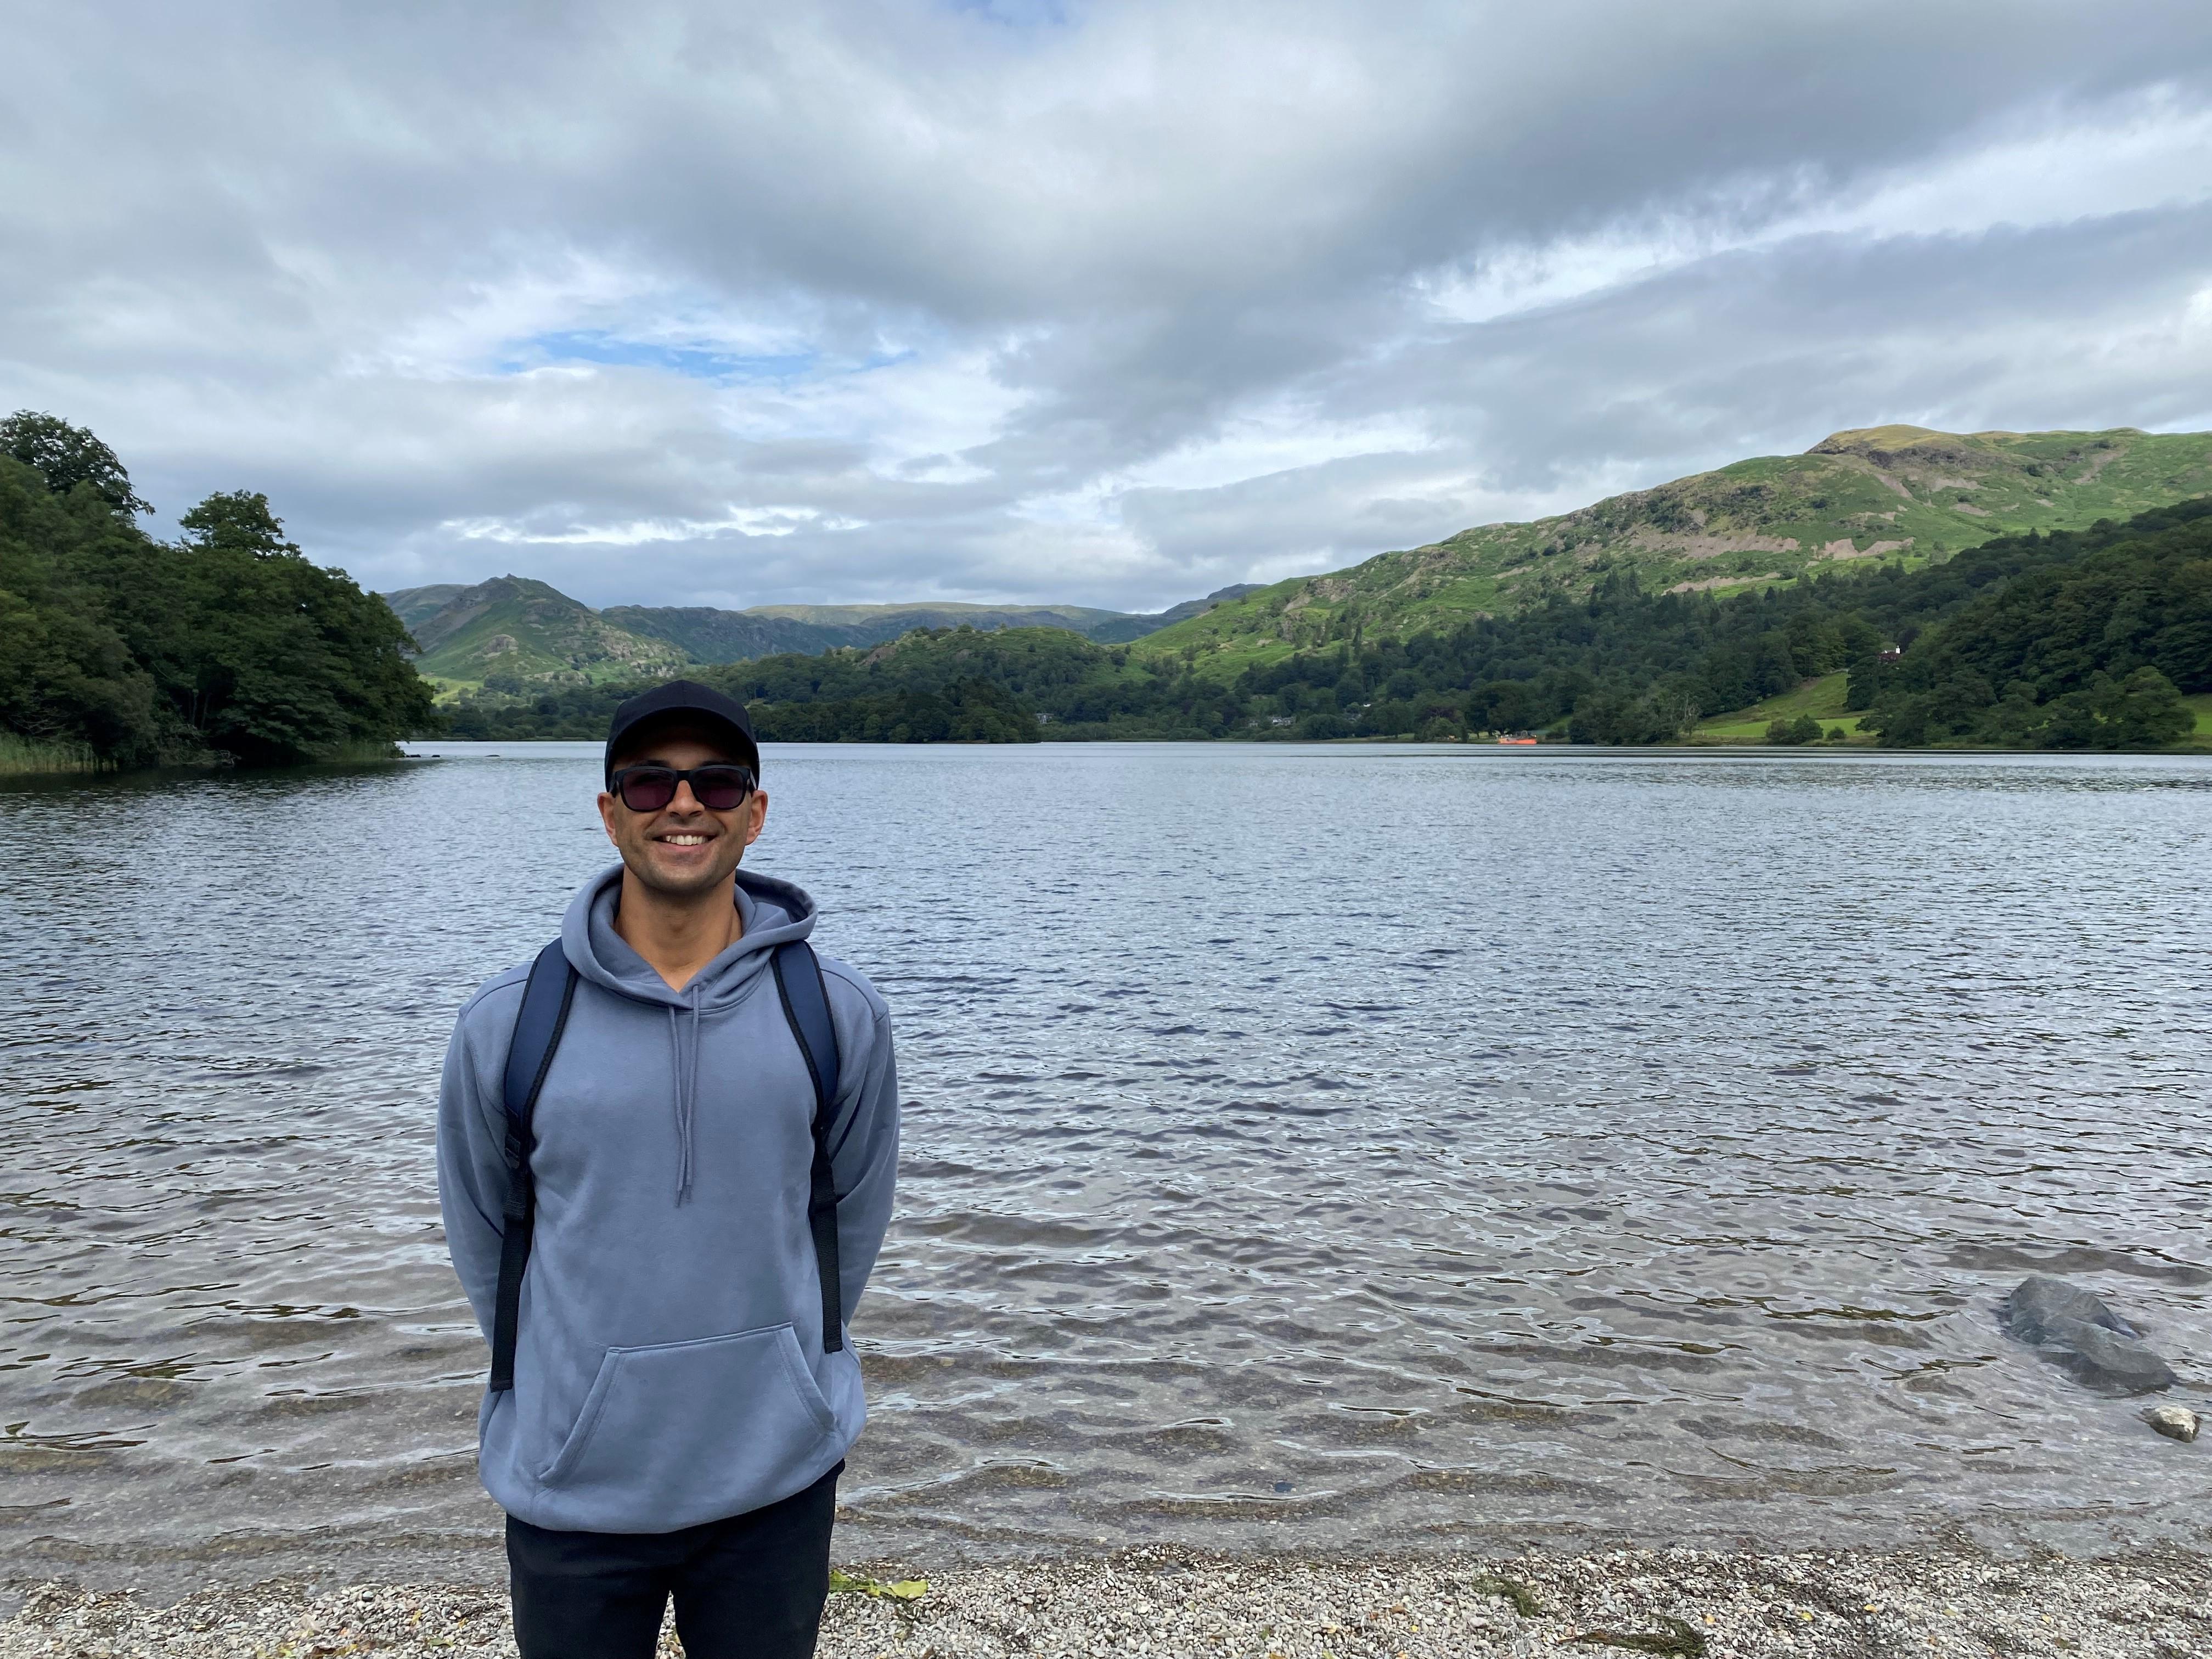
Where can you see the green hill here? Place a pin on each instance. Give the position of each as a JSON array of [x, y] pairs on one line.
[[709, 635], [512, 632], [1898, 494], [905, 618], [872, 624], [418, 604], [511, 636], [705, 634], [988, 686], [1120, 631]]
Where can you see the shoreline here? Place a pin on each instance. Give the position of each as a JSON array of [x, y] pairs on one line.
[[16, 764], [2142, 1604], [78, 761]]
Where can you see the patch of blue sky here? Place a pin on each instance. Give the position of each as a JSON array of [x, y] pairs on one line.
[[695, 360], [1018, 14]]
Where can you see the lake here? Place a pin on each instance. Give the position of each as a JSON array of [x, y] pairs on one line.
[[1307, 1148]]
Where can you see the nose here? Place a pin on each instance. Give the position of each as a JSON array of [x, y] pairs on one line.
[[683, 800]]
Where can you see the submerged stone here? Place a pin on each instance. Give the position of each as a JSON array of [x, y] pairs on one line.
[[2081, 1333], [2039, 1300], [2104, 1359]]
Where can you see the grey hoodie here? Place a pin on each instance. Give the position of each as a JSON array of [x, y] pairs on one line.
[[669, 1368]]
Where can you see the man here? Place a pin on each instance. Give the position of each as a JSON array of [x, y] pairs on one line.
[[682, 1225]]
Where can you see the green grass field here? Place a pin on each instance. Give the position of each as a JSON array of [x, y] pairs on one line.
[[1823, 698], [2200, 705]]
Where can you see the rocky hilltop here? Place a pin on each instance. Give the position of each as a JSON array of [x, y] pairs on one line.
[[513, 630]]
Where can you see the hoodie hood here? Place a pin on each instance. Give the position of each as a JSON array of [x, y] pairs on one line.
[[770, 911]]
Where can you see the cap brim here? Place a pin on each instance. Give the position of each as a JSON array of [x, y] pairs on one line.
[[647, 728]]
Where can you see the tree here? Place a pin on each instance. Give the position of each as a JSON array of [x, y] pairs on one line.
[[1675, 707], [237, 520], [274, 657], [1500, 706], [66, 456], [66, 675], [231, 642], [2144, 711]]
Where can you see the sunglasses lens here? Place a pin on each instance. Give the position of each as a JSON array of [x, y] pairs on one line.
[[721, 788], [647, 789]]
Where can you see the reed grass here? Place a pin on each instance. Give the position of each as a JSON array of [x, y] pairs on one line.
[[21, 755]]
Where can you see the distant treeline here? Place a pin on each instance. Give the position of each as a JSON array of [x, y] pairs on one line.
[[227, 646], [966, 711], [2077, 639], [947, 684]]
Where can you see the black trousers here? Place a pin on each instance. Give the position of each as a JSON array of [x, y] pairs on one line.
[[751, 1587]]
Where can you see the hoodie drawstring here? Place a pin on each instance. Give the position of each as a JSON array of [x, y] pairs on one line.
[[687, 1081]]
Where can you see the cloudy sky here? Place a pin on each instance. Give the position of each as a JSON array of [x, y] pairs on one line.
[[1110, 303]]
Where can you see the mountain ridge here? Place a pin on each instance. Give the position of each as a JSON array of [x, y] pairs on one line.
[[1898, 493], [513, 634]]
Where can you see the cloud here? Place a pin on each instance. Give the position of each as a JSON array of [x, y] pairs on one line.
[[1109, 303]]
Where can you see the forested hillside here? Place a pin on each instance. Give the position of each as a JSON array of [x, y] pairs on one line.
[[1895, 495], [2083, 639], [985, 687], [119, 649], [2090, 651]]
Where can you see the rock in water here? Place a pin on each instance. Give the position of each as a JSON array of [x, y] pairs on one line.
[[2039, 1300], [2175, 1422], [2103, 1360], [2084, 1335]]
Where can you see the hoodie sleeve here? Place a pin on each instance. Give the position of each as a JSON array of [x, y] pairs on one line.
[[864, 1146], [471, 1155]]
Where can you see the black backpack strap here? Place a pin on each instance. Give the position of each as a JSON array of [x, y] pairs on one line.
[[545, 1002], [806, 1007]]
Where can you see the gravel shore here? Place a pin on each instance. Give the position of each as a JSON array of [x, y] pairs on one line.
[[1174, 1602]]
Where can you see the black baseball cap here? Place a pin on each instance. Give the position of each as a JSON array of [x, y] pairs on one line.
[[680, 702]]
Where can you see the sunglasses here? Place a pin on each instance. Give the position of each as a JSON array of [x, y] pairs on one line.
[[649, 788]]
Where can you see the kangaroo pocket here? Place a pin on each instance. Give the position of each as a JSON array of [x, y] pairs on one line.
[[711, 1427]]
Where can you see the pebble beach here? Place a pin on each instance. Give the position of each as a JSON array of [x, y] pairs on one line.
[[1723, 1605]]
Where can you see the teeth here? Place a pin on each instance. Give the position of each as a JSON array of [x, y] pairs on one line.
[[684, 841]]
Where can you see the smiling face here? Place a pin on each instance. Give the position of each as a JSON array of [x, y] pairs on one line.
[[682, 851]]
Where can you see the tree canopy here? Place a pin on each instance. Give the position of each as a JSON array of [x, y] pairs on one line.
[[230, 644], [66, 456]]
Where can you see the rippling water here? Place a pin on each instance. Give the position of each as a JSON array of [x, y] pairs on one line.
[[1306, 1148]]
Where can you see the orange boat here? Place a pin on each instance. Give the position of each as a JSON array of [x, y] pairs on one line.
[[1517, 742]]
